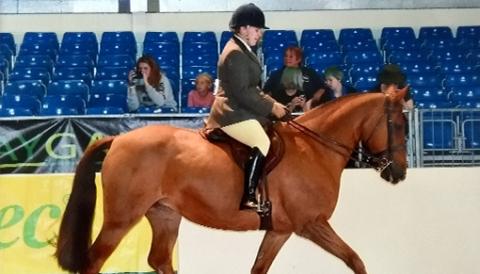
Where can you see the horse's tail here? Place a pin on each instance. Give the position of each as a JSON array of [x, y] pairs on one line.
[[75, 233]]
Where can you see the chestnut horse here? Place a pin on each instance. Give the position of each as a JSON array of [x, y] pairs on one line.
[[164, 173]]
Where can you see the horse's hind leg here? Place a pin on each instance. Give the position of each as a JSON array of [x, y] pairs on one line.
[[165, 223], [108, 239], [321, 233], [271, 245]]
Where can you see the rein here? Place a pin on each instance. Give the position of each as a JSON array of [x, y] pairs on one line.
[[379, 161]]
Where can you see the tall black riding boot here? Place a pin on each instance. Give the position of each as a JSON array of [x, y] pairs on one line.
[[253, 172]]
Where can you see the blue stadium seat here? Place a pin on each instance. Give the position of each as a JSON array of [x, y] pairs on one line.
[[317, 35], [112, 73], [439, 56], [474, 56], [7, 54], [199, 48], [456, 66], [439, 134], [441, 43], [199, 36], [161, 37], [17, 101], [365, 82], [360, 45], [116, 60], [119, 37], [76, 60], [117, 49], [347, 35], [8, 39], [49, 38], [161, 48], [26, 87], [39, 61], [169, 60], [38, 49], [192, 71], [401, 44], [21, 73], [427, 32], [73, 73], [63, 105], [271, 36], [430, 97], [315, 46], [372, 56], [275, 49], [79, 49], [71, 37], [116, 100], [464, 96], [396, 34], [14, 111], [330, 57], [471, 132], [199, 60], [224, 37], [468, 32], [364, 68], [422, 67], [65, 87], [461, 79], [104, 111], [417, 80], [172, 72], [109, 87], [401, 56]]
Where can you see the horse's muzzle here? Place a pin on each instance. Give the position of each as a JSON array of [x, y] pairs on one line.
[[393, 173]]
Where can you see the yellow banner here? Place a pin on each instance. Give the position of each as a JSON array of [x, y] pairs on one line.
[[31, 207]]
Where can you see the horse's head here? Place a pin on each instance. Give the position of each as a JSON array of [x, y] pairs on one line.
[[386, 139]]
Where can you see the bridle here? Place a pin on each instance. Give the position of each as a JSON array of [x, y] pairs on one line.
[[379, 161]]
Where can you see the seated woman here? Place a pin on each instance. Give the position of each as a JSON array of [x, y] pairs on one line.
[[336, 88], [147, 86], [202, 95], [294, 84]]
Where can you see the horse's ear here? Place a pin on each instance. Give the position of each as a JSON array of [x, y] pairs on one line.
[[396, 94]]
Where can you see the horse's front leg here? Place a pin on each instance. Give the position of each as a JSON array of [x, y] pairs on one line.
[[321, 233], [271, 245]]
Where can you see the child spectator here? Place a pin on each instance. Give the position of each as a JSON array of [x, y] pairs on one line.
[[202, 95]]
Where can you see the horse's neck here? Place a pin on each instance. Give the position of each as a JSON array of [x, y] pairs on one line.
[[343, 118]]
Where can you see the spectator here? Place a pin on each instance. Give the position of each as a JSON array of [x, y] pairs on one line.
[[392, 75], [336, 87], [148, 86], [294, 84], [202, 95]]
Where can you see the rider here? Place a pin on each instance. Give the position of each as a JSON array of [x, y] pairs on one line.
[[240, 108]]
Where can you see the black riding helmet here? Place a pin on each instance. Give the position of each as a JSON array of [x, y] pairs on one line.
[[392, 74], [248, 15]]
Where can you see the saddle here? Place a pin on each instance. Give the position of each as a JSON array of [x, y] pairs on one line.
[[241, 152]]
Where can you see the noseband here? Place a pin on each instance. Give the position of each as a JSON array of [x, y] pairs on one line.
[[379, 161]]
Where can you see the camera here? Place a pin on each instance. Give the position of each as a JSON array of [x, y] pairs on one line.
[[138, 79]]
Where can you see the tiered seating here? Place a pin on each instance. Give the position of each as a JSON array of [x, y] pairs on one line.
[[8, 51], [224, 37], [165, 48], [275, 42], [108, 97], [320, 49], [199, 54]]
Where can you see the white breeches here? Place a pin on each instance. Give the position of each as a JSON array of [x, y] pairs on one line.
[[250, 133]]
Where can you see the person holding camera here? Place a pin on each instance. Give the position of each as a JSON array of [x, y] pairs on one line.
[[147, 86]]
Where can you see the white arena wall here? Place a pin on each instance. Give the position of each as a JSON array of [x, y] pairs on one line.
[[180, 22], [428, 224]]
